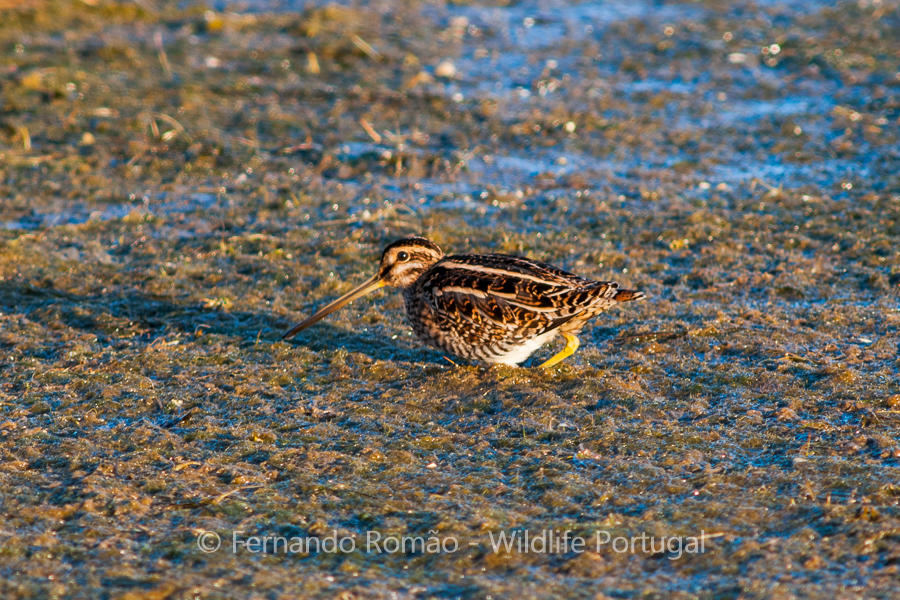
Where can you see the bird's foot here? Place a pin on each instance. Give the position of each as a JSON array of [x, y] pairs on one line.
[[569, 350]]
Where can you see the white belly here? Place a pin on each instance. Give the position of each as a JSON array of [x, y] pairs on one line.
[[520, 353]]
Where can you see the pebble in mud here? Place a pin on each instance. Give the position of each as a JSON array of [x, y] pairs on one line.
[[445, 69]]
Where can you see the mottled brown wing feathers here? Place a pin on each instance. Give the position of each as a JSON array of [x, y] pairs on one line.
[[514, 293], [532, 269]]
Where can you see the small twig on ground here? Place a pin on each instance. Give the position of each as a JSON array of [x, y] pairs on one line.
[[161, 53]]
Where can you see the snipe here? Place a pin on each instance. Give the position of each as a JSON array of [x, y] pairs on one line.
[[489, 307]]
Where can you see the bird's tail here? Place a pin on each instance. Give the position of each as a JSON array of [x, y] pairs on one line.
[[628, 295]]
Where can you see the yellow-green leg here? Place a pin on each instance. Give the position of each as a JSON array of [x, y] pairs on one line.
[[569, 350]]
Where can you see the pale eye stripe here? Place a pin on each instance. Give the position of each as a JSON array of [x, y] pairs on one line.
[[492, 271]]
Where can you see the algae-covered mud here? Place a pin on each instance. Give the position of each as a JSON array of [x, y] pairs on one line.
[[180, 182]]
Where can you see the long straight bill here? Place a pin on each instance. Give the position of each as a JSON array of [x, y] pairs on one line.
[[369, 286]]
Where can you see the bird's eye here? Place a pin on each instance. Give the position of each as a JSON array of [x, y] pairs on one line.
[[402, 256]]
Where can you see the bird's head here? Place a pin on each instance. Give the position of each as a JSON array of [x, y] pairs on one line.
[[404, 261]]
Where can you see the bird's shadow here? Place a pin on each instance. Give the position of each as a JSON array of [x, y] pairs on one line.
[[130, 312], [135, 315], [324, 336]]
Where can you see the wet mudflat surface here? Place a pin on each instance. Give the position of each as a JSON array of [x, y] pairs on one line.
[[178, 185]]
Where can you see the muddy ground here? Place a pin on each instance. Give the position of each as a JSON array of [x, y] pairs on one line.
[[180, 183]]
